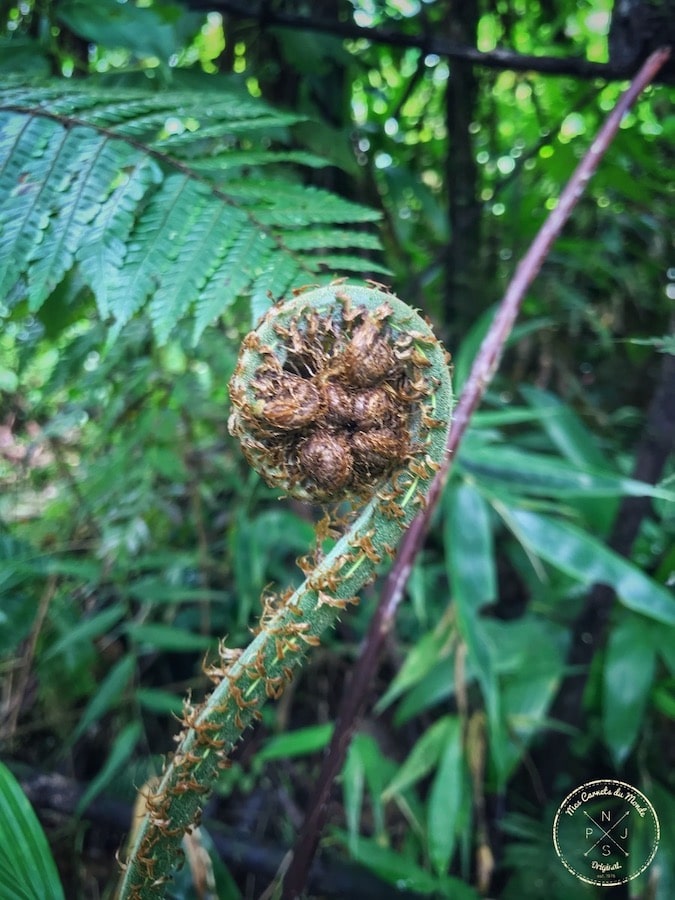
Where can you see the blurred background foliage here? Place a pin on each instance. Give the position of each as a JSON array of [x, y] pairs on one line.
[[536, 650]]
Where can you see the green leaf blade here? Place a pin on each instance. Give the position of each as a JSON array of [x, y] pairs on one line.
[[27, 867], [578, 554], [25, 173], [469, 547], [446, 798], [630, 664]]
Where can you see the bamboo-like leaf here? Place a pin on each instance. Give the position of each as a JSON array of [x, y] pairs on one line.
[[541, 475], [300, 742], [445, 799], [120, 753], [87, 630], [630, 663], [168, 637], [580, 555], [402, 872], [421, 759], [107, 695], [27, 870], [469, 550], [353, 785]]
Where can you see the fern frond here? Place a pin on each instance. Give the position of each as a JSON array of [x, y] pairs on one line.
[[161, 205]]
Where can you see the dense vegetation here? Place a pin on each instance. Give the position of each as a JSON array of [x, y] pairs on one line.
[[166, 172]]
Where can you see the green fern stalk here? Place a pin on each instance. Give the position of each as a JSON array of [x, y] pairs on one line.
[[341, 393]]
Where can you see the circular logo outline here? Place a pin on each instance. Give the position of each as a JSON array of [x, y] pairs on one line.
[[613, 792]]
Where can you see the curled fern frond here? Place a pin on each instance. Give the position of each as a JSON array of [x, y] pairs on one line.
[[341, 392], [161, 204]]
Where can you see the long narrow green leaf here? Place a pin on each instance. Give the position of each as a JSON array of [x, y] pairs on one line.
[[469, 549], [421, 759], [579, 446], [366, 767], [471, 570], [630, 663], [403, 873], [353, 783], [296, 743], [540, 475], [431, 648], [168, 637], [580, 555], [120, 753], [106, 696], [27, 870], [565, 429], [445, 799], [87, 630]]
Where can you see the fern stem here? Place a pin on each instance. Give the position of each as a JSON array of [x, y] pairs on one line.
[[344, 367]]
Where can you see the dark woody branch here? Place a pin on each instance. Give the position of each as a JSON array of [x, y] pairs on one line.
[[423, 41]]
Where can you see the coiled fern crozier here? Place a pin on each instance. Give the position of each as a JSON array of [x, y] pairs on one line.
[[341, 394]]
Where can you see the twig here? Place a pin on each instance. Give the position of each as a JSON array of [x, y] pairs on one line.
[[482, 371], [26, 664]]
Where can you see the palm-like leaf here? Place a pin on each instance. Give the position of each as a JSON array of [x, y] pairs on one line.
[[164, 201]]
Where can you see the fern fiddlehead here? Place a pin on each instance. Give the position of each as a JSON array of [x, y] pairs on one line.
[[342, 393]]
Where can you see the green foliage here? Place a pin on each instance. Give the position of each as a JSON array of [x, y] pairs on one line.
[[143, 193], [27, 870]]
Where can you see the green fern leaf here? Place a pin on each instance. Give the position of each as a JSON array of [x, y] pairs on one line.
[[273, 281], [25, 172], [287, 205], [198, 257], [102, 254], [232, 276], [164, 226], [338, 238], [160, 205], [87, 164], [343, 262], [238, 159]]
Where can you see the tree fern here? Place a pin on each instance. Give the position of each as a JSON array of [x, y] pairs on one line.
[[166, 202]]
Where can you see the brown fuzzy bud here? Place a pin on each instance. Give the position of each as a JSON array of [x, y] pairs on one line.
[[296, 403], [326, 460], [368, 358], [373, 406], [378, 450], [339, 403]]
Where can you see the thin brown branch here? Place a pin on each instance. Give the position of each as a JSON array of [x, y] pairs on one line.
[[26, 664], [482, 372]]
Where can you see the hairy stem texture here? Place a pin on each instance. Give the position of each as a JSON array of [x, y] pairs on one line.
[[342, 395]]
